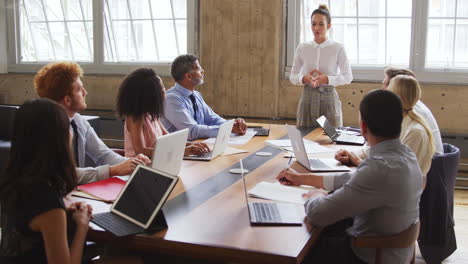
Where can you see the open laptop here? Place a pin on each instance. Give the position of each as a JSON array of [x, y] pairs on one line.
[[319, 165], [339, 138], [169, 152], [220, 144], [270, 213], [138, 203], [261, 131]]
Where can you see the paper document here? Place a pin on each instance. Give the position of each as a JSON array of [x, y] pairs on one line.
[[231, 151], [311, 146], [278, 192], [235, 139]]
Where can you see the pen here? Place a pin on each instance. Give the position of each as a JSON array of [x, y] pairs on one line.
[[290, 158]]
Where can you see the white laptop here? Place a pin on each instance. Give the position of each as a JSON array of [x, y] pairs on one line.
[[319, 165], [271, 213], [220, 144], [139, 203], [169, 152]]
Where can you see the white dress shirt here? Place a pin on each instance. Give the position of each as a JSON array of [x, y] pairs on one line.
[[423, 111], [328, 57]]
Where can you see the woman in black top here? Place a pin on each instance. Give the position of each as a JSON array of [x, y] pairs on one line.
[[40, 172]]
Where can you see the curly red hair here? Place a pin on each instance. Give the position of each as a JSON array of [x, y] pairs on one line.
[[55, 80]]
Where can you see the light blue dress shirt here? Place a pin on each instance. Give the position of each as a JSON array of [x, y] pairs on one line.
[[178, 114], [90, 144], [382, 195]]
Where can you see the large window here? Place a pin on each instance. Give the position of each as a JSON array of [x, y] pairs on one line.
[[429, 37], [105, 36]]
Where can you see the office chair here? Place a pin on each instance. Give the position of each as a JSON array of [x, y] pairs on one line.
[[405, 239]]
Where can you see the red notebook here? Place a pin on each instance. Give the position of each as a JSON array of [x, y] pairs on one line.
[[106, 190]]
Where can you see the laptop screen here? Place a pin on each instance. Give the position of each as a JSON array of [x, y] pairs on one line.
[[145, 193], [326, 126]]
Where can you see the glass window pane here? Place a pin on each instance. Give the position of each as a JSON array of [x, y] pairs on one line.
[[343, 8], [181, 26], [145, 41], [140, 9], [181, 8], [442, 8], [60, 41], [398, 41], [162, 9], [82, 43], [399, 8], [41, 37], [461, 44], [439, 49], [462, 8], [124, 41], [34, 10], [167, 42], [344, 31], [53, 10], [372, 41], [372, 8], [116, 9]]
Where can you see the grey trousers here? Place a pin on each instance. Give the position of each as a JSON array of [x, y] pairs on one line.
[[316, 102]]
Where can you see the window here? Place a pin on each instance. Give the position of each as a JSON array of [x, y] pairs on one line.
[[105, 36], [429, 37]]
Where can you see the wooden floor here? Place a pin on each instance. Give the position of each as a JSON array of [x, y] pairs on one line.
[[461, 230]]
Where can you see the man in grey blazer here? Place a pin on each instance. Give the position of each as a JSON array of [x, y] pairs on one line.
[[380, 198]]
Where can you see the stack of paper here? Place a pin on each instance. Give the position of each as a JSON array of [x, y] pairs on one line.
[[235, 139], [278, 192]]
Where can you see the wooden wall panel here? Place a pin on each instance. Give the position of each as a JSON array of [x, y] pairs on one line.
[[241, 55]]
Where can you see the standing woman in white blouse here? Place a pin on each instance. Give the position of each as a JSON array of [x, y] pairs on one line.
[[320, 65]]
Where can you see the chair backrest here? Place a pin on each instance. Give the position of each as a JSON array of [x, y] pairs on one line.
[[7, 117], [404, 239]]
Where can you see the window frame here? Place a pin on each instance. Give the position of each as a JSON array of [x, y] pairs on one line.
[[98, 66], [419, 23]]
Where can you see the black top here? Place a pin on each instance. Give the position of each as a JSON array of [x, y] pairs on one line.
[[19, 243]]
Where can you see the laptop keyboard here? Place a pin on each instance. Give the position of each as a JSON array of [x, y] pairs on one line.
[[261, 131], [202, 156], [116, 224], [266, 212], [318, 164]]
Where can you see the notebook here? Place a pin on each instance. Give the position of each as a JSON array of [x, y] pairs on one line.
[[137, 208], [106, 190], [220, 144], [319, 165], [339, 138], [271, 213], [169, 152]]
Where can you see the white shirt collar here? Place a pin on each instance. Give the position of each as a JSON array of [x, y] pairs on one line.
[[324, 44]]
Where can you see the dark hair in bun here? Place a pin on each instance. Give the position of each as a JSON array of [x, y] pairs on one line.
[[322, 10]]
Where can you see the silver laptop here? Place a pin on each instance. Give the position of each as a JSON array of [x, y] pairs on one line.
[[139, 203], [224, 133], [261, 131], [319, 165], [339, 138], [271, 213], [169, 152]]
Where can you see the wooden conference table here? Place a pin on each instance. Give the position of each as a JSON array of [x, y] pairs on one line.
[[207, 214]]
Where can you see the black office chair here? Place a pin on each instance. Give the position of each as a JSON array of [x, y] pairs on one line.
[[7, 117], [437, 235]]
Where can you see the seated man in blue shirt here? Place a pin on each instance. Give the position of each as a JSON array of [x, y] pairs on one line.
[[381, 196], [61, 82], [185, 107]]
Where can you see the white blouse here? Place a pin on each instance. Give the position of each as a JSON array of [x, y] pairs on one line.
[[328, 57]]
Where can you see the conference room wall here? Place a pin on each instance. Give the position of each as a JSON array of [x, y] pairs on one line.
[[241, 51]]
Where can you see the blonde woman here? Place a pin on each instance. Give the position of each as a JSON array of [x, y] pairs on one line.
[[320, 65], [415, 133]]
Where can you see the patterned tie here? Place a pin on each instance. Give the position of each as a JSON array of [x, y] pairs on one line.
[[194, 104], [75, 141]]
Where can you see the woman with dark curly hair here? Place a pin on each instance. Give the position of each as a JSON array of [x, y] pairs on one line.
[[141, 102]]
